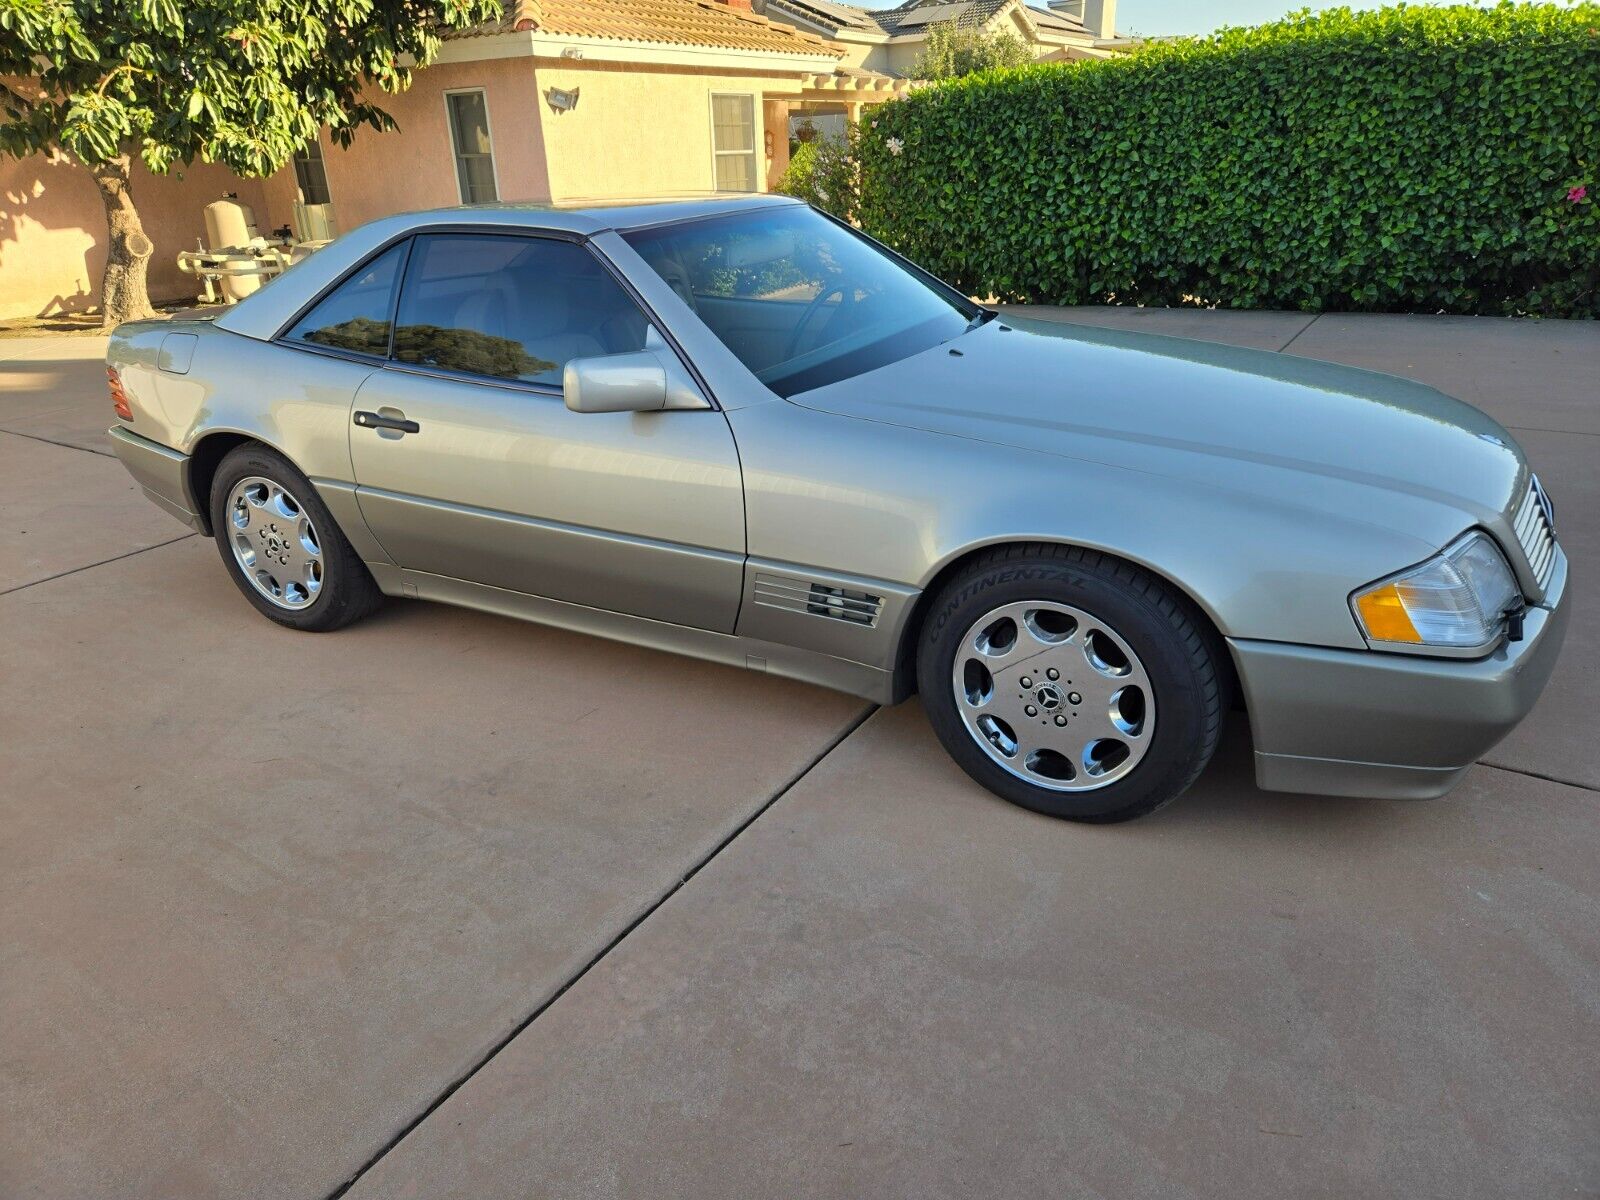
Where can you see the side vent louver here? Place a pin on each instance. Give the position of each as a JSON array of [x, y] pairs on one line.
[[815, 599]]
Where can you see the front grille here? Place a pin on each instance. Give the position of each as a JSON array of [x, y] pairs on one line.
[[1535, 534]]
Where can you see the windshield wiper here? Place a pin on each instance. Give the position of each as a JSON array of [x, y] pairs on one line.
[[985, 315]]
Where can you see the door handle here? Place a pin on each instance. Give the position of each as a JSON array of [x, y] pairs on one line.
[[372, 420]]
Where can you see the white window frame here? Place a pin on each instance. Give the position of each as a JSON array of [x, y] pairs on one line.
[[755, 141], [455, 149]]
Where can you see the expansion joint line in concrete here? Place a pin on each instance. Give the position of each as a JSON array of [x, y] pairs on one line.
[[91, 566], [34, 437], [1283, 348], [544, 1006], [1588, 787]]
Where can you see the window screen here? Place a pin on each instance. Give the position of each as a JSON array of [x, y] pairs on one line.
[[355, 315], [510, 307], [733, 140], [469, 133]]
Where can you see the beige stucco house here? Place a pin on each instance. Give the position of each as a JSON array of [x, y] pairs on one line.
[[561, 100], [891, 40]]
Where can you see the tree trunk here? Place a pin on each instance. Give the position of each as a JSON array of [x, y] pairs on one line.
[[124, 295]]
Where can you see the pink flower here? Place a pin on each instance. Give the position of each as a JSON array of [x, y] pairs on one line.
[[1578, 194]]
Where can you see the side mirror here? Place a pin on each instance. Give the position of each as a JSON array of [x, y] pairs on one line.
[[648, 380], [615, 383]]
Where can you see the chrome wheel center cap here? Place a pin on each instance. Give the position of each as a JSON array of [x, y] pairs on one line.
[[1048, 697]]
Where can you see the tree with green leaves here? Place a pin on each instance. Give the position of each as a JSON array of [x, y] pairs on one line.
[[953, 50], [243, 83]]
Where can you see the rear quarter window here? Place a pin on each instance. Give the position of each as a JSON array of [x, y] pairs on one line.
[[356, 315]]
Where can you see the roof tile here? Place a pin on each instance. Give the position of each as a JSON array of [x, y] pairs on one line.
[[659, 22], [828, 14]]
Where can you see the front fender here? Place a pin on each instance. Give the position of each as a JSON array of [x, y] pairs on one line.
[[902, 505]]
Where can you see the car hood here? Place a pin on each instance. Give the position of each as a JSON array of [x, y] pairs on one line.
[[1304, 431]]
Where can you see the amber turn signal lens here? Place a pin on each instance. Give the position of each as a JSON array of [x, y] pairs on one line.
[[1385, 617], [119, 399]]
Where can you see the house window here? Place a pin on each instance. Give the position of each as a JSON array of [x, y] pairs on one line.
[[733, 142], [469, 137], [311, 174]]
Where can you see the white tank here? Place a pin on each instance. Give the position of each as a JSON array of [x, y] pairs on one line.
[[231, 225]]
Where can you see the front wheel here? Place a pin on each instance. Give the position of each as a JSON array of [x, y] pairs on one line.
[[1071, 683], [281, 546]]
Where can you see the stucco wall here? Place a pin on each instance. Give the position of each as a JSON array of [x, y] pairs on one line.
[[902, 58], [52, 227], [412, 167], [870, 56], [52, 230], [775, 116], [637, 130], [641, 130]]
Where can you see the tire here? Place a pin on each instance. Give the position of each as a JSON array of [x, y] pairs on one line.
[[1103, 655], [302, 571]]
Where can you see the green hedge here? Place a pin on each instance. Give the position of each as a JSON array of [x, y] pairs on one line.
[[1413, 159]]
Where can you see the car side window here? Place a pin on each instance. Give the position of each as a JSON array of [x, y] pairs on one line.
[[356, 314], [510, 307]]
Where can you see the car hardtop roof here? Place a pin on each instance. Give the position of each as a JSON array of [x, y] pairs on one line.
[[265, 313], [585, 217]]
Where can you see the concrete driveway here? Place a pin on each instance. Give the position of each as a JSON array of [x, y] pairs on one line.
[[447, 905]]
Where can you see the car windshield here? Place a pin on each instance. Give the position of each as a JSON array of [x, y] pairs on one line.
[[801, 300]]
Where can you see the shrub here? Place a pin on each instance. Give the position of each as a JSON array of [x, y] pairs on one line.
[[824, 172], [952, 51], [1420, 159], [797, 176]]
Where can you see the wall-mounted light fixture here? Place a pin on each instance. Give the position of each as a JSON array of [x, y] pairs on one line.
[[572, 52], [561, 99]]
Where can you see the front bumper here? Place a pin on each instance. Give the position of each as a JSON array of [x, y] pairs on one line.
[[1364, 723], [162, 473]]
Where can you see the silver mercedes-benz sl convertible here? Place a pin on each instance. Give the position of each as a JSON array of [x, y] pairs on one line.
[[738, 429]]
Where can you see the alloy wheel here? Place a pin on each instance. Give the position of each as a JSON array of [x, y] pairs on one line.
[[1054, 695], [274, 542]]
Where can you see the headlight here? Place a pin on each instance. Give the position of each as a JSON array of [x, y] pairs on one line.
[[1456, 599]]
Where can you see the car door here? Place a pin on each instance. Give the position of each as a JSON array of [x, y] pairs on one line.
[[469, 465]]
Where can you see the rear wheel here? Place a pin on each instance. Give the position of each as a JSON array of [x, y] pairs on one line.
[[1071, 683], [280, 544]]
